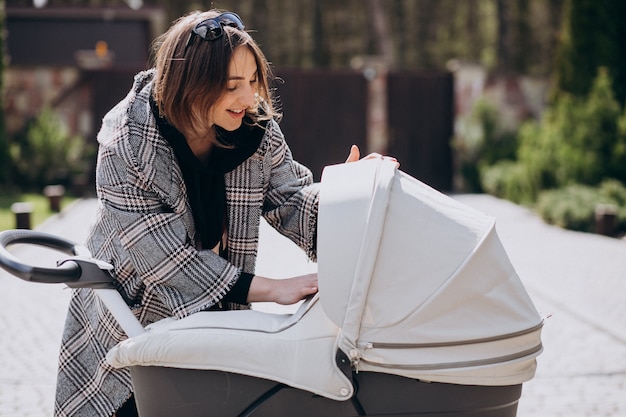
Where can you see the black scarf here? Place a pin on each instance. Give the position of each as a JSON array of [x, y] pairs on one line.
[[205, 184]]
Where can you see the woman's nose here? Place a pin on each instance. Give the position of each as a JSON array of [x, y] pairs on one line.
[[248, 96]]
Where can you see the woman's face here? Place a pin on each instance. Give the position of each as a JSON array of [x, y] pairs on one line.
[[229, 110]]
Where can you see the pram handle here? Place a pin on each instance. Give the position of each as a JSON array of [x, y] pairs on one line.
[[81, 272], [65, 273], [77, 271]]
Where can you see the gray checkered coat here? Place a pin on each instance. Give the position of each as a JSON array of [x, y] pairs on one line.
[[144, 227]]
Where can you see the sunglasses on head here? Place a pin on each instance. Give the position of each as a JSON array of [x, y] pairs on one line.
[[213, 28]]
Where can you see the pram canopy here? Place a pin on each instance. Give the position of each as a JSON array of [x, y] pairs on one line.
[[411, 283], [419, 283]]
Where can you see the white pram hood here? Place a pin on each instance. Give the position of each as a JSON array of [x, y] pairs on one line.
[[411, 283], [433, 294]]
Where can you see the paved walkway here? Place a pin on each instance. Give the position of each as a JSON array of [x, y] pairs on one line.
[[579, 281], [31, 321], [576, 279]]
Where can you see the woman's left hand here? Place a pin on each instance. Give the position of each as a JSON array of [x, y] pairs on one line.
[[282, 291], [355, 155]]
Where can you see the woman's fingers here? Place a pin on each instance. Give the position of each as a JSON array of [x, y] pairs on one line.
[[355, 154]]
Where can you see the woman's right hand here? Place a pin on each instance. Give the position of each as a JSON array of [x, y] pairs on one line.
[[355, 155], [282, 291]]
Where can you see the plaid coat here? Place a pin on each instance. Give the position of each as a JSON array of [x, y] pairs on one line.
[[144, 227]]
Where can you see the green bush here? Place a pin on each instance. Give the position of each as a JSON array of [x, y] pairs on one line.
[[571, 207], [578, 141], [574, 206], [45, 154], [509, 180], [481, 141]]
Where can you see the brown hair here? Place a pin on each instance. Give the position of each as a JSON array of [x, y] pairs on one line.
[[192, 77]]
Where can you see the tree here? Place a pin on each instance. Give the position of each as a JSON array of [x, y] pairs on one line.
[[580, 140], [592, 36], [47, 154], [422, 34], [4, 145]]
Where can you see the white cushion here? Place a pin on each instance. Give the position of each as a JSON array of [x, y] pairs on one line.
[[297, 350]]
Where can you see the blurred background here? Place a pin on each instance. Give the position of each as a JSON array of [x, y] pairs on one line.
[[522, 99]]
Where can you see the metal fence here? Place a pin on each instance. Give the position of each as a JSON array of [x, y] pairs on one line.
[[324, 112]]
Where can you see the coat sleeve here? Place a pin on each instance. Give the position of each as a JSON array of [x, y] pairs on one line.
[[149, 242], [291, 201]]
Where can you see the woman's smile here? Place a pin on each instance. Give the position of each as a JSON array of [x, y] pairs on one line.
[[237, 114]]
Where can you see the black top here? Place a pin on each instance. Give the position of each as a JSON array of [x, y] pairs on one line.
[[205, 184]]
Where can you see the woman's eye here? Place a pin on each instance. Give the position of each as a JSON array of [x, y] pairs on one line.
[[231, 89]]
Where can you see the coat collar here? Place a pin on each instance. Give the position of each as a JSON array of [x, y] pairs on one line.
[[130, 128]]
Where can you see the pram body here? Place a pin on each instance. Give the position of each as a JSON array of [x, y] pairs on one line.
[[419, 313]]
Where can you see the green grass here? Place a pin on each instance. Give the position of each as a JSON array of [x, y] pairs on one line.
[[41, 208]]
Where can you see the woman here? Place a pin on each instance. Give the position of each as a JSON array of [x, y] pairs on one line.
[[188, 163]]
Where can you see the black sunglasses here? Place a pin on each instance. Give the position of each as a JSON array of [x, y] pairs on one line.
[[213, 28]]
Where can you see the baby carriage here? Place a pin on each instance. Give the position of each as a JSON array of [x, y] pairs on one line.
[[419, 313]]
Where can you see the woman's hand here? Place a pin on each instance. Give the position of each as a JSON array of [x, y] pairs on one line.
[[355, 155], [282, 291]]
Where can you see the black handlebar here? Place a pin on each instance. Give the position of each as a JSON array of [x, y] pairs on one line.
[[66, 272], [77, 271]]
